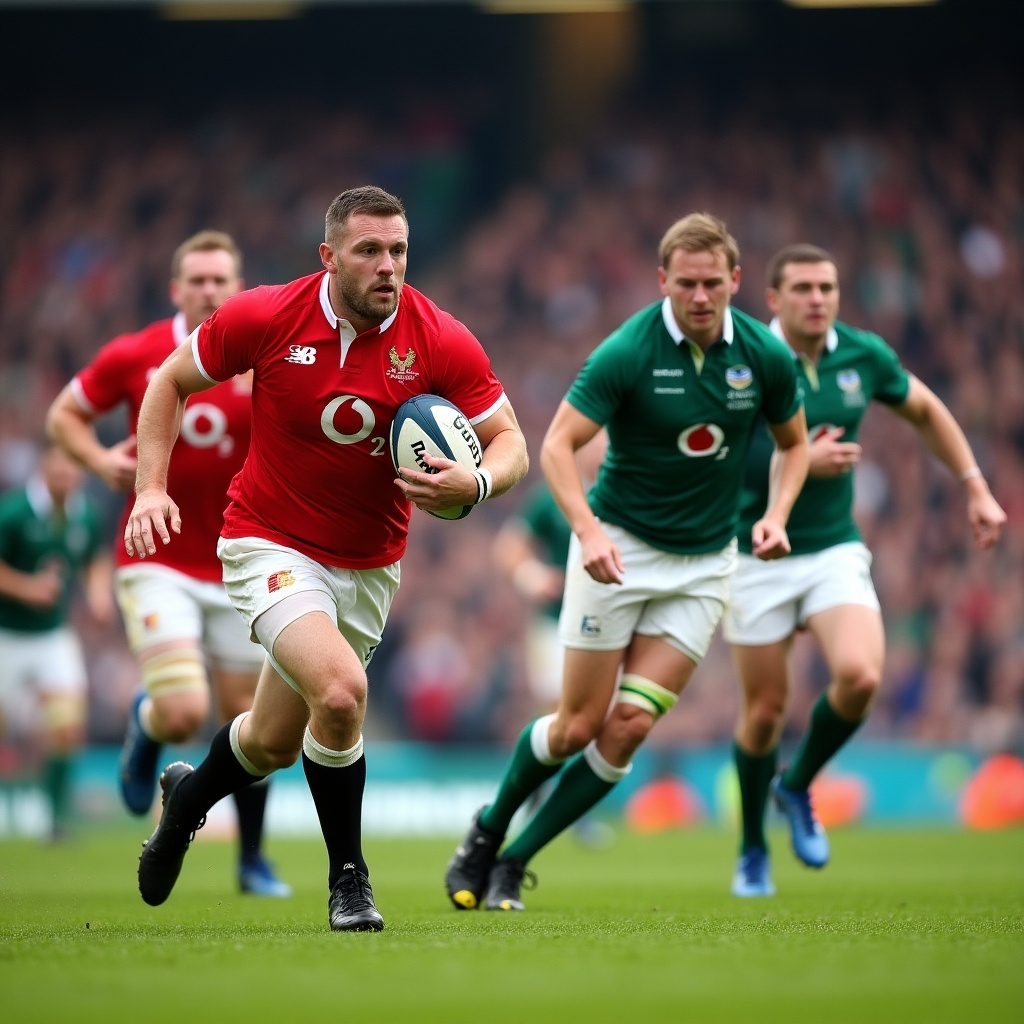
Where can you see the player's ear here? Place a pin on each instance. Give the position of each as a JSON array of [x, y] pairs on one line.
[[771, 297], [174, 291], [327, 257], [734, 285]]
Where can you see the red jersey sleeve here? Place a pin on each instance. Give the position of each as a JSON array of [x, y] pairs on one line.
[[463, 371], [228, 342], [104, 382]]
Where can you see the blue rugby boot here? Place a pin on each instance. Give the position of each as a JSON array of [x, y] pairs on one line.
[[753, 874], [138, 765], [257, 877], [810, 843]]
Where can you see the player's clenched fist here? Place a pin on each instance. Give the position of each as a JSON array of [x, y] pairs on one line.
[[149, 519]]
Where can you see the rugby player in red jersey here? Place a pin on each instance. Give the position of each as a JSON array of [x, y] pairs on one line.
[[317, 522], [177, 614]]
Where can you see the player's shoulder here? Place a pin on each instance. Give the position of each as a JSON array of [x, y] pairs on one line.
[[858, 338], [755, 337], [426, 316], [142, 343], [267, 301], [640, 329]]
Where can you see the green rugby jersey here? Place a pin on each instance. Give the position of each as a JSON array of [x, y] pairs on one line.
[[679, 424], [855, 368], [544, 521], [32, 534]]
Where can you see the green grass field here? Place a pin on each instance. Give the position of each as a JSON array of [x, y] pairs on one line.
[[902, 926]]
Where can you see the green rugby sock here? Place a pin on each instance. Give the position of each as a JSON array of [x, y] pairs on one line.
[[755, 773], [523, 774], [56, 783], [578, 789], [827, 734]]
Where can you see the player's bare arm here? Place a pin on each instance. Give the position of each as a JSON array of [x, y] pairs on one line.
[[788, 473], [569, 431], [942, 435], [159, 422], [71, 426], [504, 457]]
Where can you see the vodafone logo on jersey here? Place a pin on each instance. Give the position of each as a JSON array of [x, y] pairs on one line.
[[205, 425], [700, 440]]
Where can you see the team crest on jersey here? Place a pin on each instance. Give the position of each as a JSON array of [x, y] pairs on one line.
[[701, 439], [401, 365], [305, 355], [848, 380], [279, 580], [739, 377]]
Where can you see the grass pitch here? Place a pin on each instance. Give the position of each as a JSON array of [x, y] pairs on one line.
[[902, 926]]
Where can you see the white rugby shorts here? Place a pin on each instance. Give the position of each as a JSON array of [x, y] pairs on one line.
[[676, 598], [769, 600], [161, 605], [46, 664], [259, 575]]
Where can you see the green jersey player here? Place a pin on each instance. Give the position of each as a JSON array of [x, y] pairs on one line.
[[679, 388], [49, 535], [825, 585]]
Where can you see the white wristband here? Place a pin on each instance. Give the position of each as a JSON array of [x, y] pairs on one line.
[[484, 484], [970, 472]]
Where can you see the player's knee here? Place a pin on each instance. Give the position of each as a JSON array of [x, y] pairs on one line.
[[639, 703], [856, 688], [341, 704], [762, 722], [176, 682], [627, 728], [569, 736]]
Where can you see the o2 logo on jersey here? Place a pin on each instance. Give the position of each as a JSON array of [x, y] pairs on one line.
[[702, 440], [206, 426]]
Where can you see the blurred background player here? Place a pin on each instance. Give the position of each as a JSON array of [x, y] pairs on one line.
[[825, 585], [532, 547], [50, 535], [179, 621]]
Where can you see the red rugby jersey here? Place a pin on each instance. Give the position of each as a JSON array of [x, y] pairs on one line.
[[210, 449], [319, 477]]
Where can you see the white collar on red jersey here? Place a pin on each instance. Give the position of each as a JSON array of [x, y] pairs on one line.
[[677, 335], [332, 318], [179, 329], [831, 339]]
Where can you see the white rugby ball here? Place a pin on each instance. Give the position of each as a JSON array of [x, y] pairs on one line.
[[431, 425]]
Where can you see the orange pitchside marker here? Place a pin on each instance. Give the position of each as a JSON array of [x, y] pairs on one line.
[[994, 797]]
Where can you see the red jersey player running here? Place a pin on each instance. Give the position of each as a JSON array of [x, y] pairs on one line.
[[177, 615], [317, 522]]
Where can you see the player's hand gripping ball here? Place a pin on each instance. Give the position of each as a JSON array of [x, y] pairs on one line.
[[431, 425]]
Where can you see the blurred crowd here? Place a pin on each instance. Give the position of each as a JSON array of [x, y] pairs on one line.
[[922, 205]]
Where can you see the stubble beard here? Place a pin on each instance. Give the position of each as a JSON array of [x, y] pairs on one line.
[[368, 306]]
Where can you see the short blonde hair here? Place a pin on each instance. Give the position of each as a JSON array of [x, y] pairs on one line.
[[206, 241], [699, 232]]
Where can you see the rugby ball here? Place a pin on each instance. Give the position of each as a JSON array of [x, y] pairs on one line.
[[431, 425]]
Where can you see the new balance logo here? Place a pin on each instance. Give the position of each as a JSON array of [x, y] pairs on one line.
[[304, 354]]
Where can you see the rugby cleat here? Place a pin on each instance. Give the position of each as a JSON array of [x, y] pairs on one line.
[[164, 851], [753, 874], [351, 906], [139, 756], [466, 875], [810, 843], [508, 876], [258, 878]]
